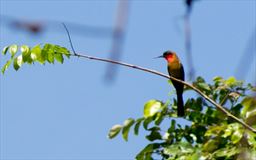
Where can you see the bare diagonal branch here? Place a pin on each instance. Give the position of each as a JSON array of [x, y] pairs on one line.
[[218, 106]]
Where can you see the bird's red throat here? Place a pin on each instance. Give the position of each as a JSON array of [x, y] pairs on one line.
[[169, 58]]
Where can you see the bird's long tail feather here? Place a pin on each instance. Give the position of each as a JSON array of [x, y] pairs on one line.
[[180, 104]]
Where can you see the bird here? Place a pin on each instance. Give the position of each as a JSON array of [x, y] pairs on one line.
[[176, 70]]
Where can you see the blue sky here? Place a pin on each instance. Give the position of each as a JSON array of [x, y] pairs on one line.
[[65, 111]]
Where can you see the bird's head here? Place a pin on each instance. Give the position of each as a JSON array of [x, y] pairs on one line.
[[170, 56]]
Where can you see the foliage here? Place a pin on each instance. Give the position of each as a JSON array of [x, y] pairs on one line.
[[49, 53], [209, 134]]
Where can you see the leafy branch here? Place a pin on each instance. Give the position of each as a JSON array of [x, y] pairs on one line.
[[49, 53]]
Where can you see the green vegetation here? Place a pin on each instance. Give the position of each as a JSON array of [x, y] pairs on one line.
[[210, 133]]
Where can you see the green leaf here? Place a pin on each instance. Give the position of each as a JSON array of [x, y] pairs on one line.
[[228, 131], [172, 128], [137, 125], [114, 131], [214, 130], [17, 62], [62, 50], [211, 145], [146, 153], [236, 136], [7, 64], [26, 54], [59, 57], [186, 148], [204, 86], [172, 151], [151, 108], [217, 79], [36, 54], [200, 80], [48, 52], [231, 81], [13, 49], [159, 118], [146, 122], [4, 51], [161, 115], [179, 150], [252, 139], [24, 49], [195, 116], [195, 104], [67, 54], [226, 152], [249, 108], [154, 135], [126, 128], [50, 56]]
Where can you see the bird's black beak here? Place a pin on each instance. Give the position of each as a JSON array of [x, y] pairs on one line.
[[160, 56]]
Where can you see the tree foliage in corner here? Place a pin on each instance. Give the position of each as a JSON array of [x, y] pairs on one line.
[[42, 54], [209, 135]]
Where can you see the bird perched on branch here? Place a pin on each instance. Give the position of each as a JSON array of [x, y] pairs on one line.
[[175, 69]]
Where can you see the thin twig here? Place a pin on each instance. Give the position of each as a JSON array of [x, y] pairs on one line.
[[222, 109], [224, 99], [69, 38]]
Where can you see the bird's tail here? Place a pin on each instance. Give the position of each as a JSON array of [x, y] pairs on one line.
[[180, 105]]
